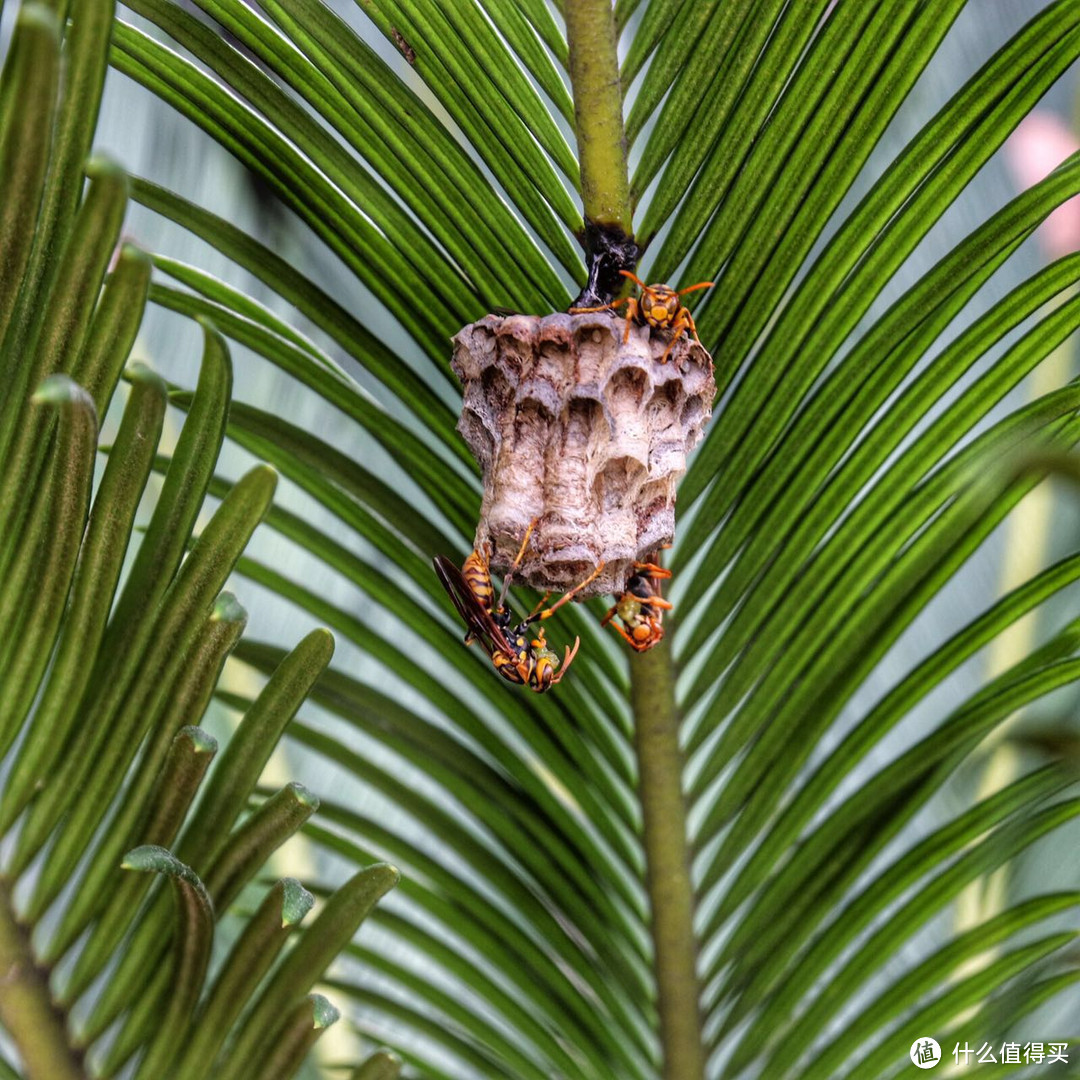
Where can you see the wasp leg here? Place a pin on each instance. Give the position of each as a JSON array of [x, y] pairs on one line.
[[539, 604], [693, 328], [524, 544], [624, 635], [632, 313], [612, 612], [656, 601], [603, 307], [548, 612], [654, 571], [517, 562], [678, 329]]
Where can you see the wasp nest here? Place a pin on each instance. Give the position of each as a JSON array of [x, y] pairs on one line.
[[582, 434]]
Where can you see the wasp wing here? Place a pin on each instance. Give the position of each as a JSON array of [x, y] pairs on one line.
[[476, 617]]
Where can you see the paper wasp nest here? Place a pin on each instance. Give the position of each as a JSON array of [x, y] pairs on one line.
[[581, 433]]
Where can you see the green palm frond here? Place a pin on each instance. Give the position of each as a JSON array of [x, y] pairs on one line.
[[687, 863]]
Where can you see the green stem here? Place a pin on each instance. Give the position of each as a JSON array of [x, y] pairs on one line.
[[594, 76], [667, 861], [27, 1012]]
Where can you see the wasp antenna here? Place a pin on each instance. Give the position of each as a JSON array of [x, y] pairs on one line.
[[634, 278], [694, 288], [570, 654]]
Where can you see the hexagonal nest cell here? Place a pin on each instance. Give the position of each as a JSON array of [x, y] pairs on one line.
[[582, 434]]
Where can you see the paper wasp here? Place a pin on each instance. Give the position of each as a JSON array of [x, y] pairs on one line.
[[658, 306], [641, 607], [517, 658]]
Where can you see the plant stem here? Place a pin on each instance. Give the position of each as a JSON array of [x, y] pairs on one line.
[[27, 1011], [605, 187], [667, 861], [594, 78]]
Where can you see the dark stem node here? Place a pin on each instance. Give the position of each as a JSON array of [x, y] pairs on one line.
[[608, 249]]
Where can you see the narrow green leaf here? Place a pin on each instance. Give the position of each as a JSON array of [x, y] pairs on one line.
[[608, 1021], [116, 322], [141, 978], [192, 939], [543, 22], [777, 599], [286, 903], [322, 941], [249, 846], [569, 762], [86, 36], [306, 21], [439, 276], [121, 711], [1004, 1010], [181, 496], [297, 1032], [967, 993], [100, 562], [514, 26], [396, 133], [31, 75], [577, 902], [837, 407], [350, 236], [660, 18], [456, 1015], [281, 443], [537, 1021], [46, 558], [867, 819], [441, 479], [269, 267], [521, 170], [990, 853], [847, 653], [784, 831], [487, 96], [34, 356], [435, 1038], [498, 90], [896, 213], [130, 822], [89, 250], [231, 783], [715, 92], [134, 618], [934, 971], [813, 194], [241, 763], [189, 757]]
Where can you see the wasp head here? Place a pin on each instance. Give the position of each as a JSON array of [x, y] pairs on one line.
[[659, 305]]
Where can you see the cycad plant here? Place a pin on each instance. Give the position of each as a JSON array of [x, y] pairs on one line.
[[686, 863]]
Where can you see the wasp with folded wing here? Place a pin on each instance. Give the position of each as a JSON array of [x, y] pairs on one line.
[[517, 656], [641, 607]]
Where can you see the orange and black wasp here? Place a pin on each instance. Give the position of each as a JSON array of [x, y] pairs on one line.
[[641, 607], [659, 306], [518, 658]]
